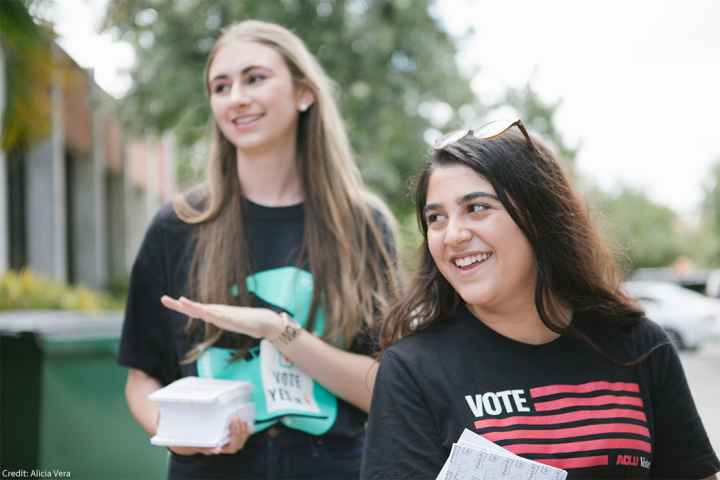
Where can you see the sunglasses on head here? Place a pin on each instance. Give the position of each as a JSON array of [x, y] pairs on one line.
[[486, 132]]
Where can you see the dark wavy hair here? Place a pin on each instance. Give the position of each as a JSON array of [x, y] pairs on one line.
[[575, 267]]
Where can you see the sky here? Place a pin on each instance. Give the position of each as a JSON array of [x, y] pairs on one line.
[[639, 80]]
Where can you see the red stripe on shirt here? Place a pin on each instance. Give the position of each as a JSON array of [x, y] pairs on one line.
[[572, 447], [584, 388], [561, 418], [587, 401], [560, 433], [577, 462]]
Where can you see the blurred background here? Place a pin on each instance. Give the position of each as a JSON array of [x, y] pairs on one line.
[[103, 118]]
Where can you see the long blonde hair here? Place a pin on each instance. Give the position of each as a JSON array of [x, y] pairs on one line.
[[347, 229]]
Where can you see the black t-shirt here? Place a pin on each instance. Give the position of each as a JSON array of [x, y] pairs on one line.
[[558, 403], [154, 339]]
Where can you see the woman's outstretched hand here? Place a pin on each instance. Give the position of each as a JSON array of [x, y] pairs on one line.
[[239, 433], [255, 322]]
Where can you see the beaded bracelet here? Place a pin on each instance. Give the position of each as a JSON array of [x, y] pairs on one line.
[[289, 331]]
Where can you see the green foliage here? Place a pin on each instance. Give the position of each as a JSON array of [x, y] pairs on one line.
[[708, 241], [28, 57], [409, 241], [24, 290], [702, 245], [711, 197], [394, 67], [119, 286], [539, 116], [644, 231]]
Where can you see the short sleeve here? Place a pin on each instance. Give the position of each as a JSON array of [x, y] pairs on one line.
[[402, 439], [147, 336], [682, 447]]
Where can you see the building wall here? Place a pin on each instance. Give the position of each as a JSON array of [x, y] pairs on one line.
[[86, 173], [150, 182], [115, 230], [136, 221], [116, 233], [83, 224], [45, 207], [88, 190], [99, 278], [4, 213]]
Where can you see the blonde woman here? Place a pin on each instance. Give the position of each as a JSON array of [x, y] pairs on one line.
[[284, 254]]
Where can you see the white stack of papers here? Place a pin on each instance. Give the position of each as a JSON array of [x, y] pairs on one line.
[[196, 412], [474, 457]]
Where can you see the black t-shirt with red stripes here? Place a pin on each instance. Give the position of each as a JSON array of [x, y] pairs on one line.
[[560, 403]]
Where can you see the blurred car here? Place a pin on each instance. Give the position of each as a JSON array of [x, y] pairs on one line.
[[688, 317]]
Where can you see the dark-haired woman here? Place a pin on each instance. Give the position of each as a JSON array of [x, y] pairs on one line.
[[514, 327], [286, 257]]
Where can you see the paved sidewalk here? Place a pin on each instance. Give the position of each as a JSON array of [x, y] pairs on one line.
[[703, 372]]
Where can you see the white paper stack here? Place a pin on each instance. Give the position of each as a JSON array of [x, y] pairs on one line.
[[196, 412], [474, 457]]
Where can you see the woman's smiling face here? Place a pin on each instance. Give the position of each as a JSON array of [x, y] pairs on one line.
[[475, 243], [253, 97]]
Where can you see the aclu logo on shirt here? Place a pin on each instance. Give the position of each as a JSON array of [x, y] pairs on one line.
[[633, 461]]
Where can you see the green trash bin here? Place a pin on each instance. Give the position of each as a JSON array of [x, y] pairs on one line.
[[62, 404]]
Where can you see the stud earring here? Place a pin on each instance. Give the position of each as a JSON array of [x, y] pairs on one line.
[[304, 107]]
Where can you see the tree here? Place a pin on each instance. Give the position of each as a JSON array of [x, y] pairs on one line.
[[701, 244], [711, 197], [394, 66], [28, 57], [539, 115], [706, 248], [644, 232]]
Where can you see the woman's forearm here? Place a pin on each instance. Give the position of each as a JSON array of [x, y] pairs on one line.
[[139, 385], [348, 375]]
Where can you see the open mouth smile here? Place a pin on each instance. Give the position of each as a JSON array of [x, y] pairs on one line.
[[246, 119], [470, 261]]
